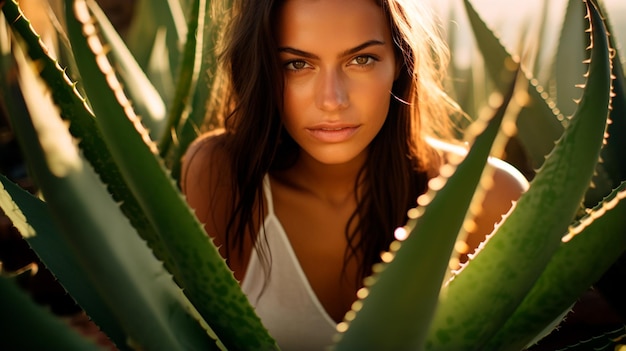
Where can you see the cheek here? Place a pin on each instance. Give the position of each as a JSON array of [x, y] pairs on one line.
[[375, 96], [298, 103], [291, 101]]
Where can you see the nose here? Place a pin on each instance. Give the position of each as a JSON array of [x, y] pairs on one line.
[[332, 92]]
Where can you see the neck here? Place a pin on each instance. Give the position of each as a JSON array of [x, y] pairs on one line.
[[330, 182]]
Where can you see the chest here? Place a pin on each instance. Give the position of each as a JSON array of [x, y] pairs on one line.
[[317, 234]]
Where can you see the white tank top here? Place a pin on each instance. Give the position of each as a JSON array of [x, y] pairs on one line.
[[285, 303]]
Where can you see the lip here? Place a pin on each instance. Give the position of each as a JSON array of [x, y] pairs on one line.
[[333, 133]]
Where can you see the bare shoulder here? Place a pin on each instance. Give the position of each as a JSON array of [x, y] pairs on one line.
[[507, 179], [505, 176], [205, 182], [198, 163], [507, 185]]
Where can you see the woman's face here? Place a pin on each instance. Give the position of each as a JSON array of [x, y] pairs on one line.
[[339, 66]]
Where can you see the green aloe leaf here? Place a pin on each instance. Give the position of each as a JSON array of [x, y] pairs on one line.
[[610, 340], [486, 292], [193, 121], [538, 45], [576, 265], [17, 329], [570, 54], [132, 282], [147, 102], [468, 92], [612, 169], [34, 221], [157, 33], [83, 127], [198, 267], [538, 126], [63, 90], [188, 78], [407, 289]]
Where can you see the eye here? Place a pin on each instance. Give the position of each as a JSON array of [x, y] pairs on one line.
[[363, 60], [296, 65]]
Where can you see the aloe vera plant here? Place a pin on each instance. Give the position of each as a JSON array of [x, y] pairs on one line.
[[113, 227]]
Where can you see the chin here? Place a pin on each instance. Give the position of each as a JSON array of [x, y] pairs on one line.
[[337, 157]]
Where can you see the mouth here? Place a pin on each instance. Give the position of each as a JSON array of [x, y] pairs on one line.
[[333, 134]]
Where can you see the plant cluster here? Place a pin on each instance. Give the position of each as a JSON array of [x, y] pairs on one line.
[[103, 122]]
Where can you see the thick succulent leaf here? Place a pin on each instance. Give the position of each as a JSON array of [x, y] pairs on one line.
[[190, 128], [538, 126], [34, 221], [612, 340], [468, 88], [571, 52], [458, 88], [159, 68], [83, 127], [538, 66], [407, 289], [576, 265], [486, 292], [134, 284], [198, 266], [147, 102], [188, 77], [155, 38], [19, 331], [612, 169], [5, 50], [142, 33], [613, 158], [191, 125], [63, 90]]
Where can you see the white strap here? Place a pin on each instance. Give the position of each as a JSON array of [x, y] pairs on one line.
[[267, 191]]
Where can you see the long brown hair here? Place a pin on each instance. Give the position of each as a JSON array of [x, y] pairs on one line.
[[399, 161]]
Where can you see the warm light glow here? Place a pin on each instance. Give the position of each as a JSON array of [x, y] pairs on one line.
[[592, 216], [469, 226], [350, 316], [369, 281], [509, 128], [495, 99], [60, 149], [437, 183], [454, 263], [395, 246], [387, 257], [15, 215], [414, 213], [342, 327], [424, 199], [447, 170], [378, 267], [362, 293], [401, 234], [461, 247], [81, 11]]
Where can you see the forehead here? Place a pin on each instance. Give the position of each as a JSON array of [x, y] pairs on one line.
[[341, 23]]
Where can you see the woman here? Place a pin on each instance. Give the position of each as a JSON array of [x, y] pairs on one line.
[[326, 105]]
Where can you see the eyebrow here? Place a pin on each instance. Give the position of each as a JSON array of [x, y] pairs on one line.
[[348, 52]]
